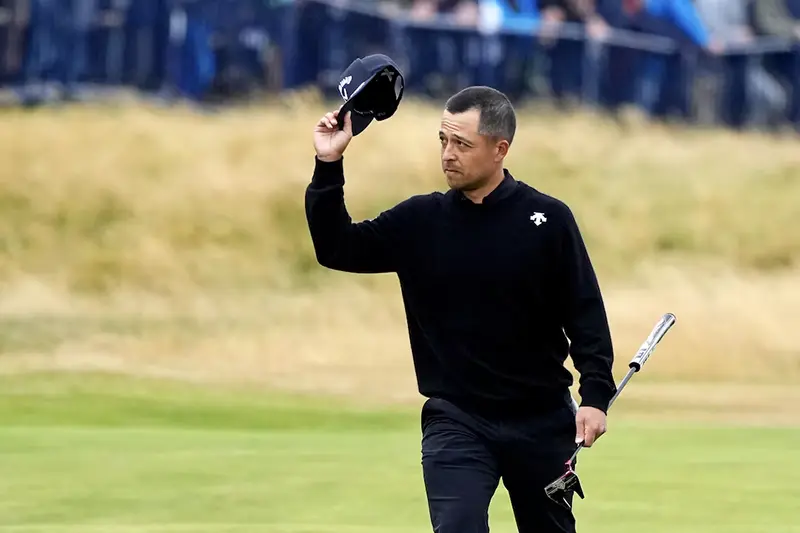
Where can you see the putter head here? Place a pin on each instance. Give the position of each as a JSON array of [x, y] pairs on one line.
[[561, 488]]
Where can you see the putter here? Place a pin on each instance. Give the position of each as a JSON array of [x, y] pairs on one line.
[[567, 484]]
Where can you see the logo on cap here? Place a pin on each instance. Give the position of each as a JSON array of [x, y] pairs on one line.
[[388, 73], [342, 84]]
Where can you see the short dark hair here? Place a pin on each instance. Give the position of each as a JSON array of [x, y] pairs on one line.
[[497, 116]]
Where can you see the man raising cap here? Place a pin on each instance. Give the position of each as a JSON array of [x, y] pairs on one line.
[[498, 289]]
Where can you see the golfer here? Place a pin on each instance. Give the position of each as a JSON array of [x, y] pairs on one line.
[[498, 290]]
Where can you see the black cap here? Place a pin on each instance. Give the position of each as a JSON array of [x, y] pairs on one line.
[[371, 88]]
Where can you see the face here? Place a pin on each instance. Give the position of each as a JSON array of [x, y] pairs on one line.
[[469, 160]]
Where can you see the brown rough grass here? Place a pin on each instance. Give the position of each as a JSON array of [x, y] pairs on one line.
[[121, 225]]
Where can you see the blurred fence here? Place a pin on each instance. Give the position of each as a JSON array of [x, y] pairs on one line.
[[224, 49]]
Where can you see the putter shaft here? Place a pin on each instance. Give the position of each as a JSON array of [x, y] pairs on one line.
[[642, 355], [568, 483]]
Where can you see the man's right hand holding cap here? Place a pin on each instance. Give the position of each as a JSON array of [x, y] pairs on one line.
[[330, 142]]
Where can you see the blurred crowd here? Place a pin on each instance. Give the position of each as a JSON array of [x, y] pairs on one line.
[[749, 45], [736, 62], [710, 24]]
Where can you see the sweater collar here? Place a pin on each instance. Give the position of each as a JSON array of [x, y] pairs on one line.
[[503, 190]]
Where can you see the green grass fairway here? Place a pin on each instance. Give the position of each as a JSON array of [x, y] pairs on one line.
[[92, 454]]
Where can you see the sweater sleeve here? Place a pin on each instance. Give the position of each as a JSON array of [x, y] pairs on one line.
[[372, 246], [584, 318]]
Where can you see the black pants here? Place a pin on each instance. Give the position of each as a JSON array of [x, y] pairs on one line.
[[464, 456]]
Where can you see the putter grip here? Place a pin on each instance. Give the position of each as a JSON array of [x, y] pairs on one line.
[[647, 347]]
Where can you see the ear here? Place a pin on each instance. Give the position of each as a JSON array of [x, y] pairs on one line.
[[501, 150]]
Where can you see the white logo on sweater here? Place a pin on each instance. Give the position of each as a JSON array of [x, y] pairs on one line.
[[538, 218]]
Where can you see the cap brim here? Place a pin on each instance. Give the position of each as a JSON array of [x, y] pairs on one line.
[[359, 122]]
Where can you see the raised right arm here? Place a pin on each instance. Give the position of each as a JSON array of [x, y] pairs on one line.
[[371, 246]]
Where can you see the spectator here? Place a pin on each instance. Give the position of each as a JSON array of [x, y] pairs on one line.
[[515, 14], [675, 19], [58, 47], [18, 13], [574, 11], [41, 52], [511, 56], [662, 81], [774, 18], [440, 57], [780, 18], [423, 9], [742, 76], [190, 64], [75, 18], [725, 20], [464, 11], [148, 26], [566, 55]]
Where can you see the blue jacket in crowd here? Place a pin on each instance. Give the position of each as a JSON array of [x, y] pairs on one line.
[[516, 14], [676, 19]]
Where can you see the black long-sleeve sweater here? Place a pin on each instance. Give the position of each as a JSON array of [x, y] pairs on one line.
[[489, 294]]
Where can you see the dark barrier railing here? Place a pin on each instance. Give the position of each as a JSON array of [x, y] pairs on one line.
[[754, 83], [204, 49]]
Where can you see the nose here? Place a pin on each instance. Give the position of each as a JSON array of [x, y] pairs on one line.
[[448, 154]]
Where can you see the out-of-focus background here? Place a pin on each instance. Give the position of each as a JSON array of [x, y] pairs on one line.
[[173, 359]]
